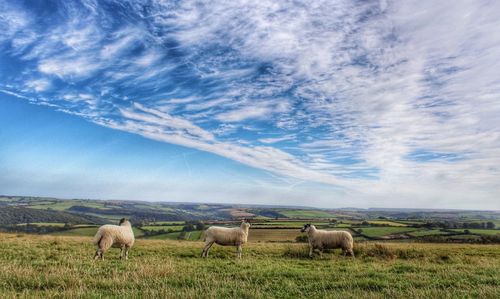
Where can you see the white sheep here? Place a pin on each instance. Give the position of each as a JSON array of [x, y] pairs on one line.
[[117, 236], [235, 236], [323, 239]]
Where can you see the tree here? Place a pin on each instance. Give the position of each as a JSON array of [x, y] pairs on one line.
[[199, 225], [490, 225], [188, 227]]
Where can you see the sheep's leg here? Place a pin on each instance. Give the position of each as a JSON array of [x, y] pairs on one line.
[[206, 249], [97, 254], [121, 252], [238, 251], [310, 251], [126, 252]]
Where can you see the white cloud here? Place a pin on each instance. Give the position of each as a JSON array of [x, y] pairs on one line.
[[38, 84], [245, 113], [356, 88], [277, 139]]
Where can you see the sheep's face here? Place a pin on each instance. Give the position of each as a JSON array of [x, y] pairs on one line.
[[305, 228], [124, 221], [245, 224]]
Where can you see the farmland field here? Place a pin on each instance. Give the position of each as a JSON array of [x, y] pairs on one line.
[[290, 224], [47, 266], [382, 231], [89, 231], [386, 222], [162, 227], [429, 232], [57, 224], [306, 214], [275, 235], [190, 236], [479, 231]]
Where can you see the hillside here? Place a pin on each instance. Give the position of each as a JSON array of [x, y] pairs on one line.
[[186, 221], [46, 266], [111, 210], [18, 215]]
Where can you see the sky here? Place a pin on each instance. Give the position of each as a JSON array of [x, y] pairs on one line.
[[316, 103]]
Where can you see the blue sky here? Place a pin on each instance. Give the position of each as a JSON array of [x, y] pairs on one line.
[[329, 104]]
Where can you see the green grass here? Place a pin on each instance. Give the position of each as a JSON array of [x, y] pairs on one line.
[[58, 224], [479, 231], [168, 223], [81, 231], [64, 205], [48, 266], [89, 231], [386, 222], [169, 236], [466, 237], [290, 224], [306, 214], [190, 236], [429, 232], [384, 231], [164, 227], [343, 225]]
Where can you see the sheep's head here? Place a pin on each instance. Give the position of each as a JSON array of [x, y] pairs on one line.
[[306, 228], [245, 223], [124, 221]]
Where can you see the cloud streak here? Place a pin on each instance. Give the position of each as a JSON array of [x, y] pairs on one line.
[[386, 99]]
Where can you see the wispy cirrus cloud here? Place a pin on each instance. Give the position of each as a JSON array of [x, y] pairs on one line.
[[385, 98]]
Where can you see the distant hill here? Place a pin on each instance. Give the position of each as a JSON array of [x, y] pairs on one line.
[[22, 209], [17, 215]]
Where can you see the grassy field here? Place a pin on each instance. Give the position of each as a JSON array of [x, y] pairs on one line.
[[382, 231], [479, 231], [427, 232], [57, 224], [49, 266], [162, 227], [386, 222], [273, 235], [465, 237], [190, 236], [306, 214], [89, 232]]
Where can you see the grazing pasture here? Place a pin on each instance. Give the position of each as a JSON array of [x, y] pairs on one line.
[[306, 214], [478, 231], [430, 232], [37, 266], [189, 236], [90, 232], [383, 231]]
